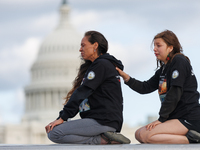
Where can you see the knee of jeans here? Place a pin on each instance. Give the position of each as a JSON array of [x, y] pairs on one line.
[[54, 136]]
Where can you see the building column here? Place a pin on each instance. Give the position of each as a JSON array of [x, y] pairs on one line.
[[48, 100]]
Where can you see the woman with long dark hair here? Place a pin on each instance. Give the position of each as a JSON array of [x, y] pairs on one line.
[[96, 95]]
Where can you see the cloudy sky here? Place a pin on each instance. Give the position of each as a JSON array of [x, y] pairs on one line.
[[128, 25]]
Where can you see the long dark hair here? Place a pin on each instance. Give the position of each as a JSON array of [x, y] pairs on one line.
[[171, 40], [77, 81], [93, 36]]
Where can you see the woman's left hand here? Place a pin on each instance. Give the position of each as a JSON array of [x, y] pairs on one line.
[[51, 125], [153, 125]]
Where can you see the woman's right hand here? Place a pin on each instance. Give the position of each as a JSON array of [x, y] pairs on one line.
[[152, 125], [51, 125], [125, 76]]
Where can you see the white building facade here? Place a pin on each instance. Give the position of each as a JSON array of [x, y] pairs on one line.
[[52, 74]]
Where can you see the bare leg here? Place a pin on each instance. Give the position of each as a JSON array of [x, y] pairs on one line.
[[137, 135], [169, 132]]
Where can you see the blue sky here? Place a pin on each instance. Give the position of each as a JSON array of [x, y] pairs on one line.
[[128, 25]]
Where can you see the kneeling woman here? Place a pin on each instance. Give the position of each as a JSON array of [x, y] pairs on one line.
[[179, 120], [96, 95]]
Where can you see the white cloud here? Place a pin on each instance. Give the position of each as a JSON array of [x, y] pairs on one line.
[[85, 20], [16, 61], [135, 57], [24, 2], [44, 22]]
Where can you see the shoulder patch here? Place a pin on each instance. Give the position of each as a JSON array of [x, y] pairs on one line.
[[175, 74], [91, 75]]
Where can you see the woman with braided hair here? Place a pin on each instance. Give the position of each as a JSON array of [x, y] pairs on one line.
[[96, 95]]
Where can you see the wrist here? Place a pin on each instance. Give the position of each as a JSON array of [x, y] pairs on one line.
[[126, 79], [61, 119]]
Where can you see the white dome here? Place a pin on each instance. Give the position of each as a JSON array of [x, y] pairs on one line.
[[58, 57], [53, 71]]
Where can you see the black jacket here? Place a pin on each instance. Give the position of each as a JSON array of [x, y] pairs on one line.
[[99, 97], [177, 87]]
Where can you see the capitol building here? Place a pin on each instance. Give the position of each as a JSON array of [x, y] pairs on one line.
[[52, 74]]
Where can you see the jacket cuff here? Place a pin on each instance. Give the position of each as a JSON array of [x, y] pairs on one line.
[[161, 119], [64, 116], [60, 113], [131, 80]]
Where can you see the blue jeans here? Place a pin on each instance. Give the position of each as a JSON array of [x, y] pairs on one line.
[[81, 131]]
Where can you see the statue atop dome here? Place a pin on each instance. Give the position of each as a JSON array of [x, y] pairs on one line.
[[64, 2]]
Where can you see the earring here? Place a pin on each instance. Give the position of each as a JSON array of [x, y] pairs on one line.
[[168, 57], [94, 50]]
